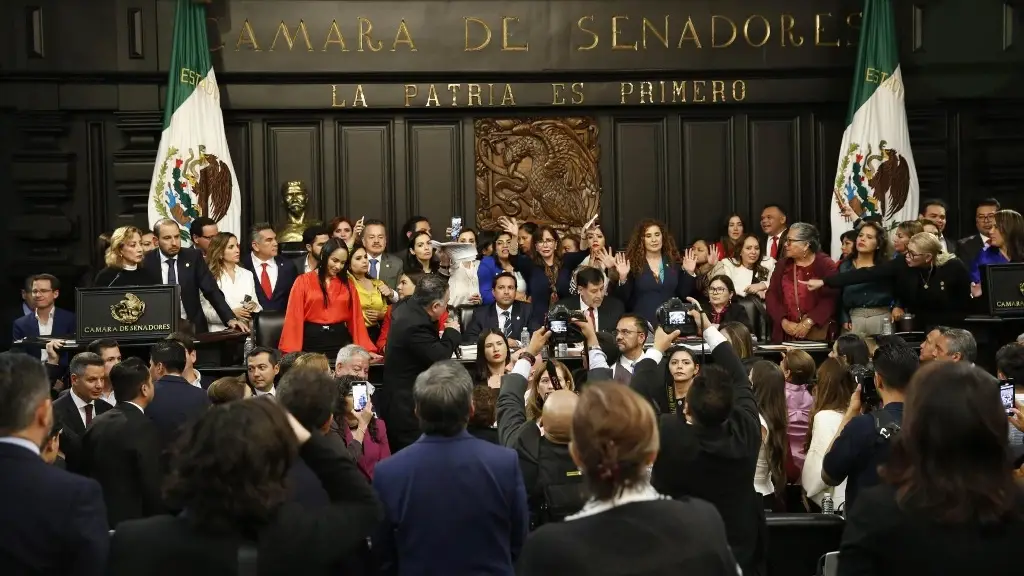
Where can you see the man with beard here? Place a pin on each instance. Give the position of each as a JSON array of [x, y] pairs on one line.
[[313, 238]]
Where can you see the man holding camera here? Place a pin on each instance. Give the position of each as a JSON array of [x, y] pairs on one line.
[[874, 416]]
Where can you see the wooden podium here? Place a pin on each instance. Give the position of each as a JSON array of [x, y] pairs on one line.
[[135, 314]]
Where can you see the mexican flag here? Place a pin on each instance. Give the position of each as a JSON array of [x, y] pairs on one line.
[[193, 175], [876, 175]]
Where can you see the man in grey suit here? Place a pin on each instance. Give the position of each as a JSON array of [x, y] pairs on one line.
[[383, 266], [313, 238]]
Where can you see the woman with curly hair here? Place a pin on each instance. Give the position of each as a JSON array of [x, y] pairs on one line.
[[233, 492], [652, 270], [364, 434]]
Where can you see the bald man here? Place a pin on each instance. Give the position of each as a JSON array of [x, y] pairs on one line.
[[553, 482]]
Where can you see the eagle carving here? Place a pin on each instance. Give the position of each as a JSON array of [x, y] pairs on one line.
[[891, 182], [213, 190]]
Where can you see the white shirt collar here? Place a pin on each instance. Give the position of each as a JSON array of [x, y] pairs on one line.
[[49, 318], [273, 392], [638, 493], [15, 441], [79, 403], [584, 307], [130, 267], [109, 398], [198, 382], [627, 363], [164, 257], [257, 262], [503, 310]]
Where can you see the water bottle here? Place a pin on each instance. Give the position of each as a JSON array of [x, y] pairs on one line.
[[887, 326], [827, 505], [524, 337], [247, 347]]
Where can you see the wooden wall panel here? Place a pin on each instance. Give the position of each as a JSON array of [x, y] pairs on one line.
[[365, 167], [132, 161], [293, 152], [774, 164], [434, 164], [707, 162], [640, 175]]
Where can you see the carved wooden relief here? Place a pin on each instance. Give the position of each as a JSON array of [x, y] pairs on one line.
[[539, 169]]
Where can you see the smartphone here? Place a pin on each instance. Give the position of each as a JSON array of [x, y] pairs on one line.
[[360, 395], [456, 227], [1006, 395]]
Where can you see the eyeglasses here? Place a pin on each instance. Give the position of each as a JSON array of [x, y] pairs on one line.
[[41, 291], [985, 217], [626, 332], [718, 290], [546, 241], [913, 255]]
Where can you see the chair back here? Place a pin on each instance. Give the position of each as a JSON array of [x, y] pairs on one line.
[[267, 327], [758, 315], [796, 542]]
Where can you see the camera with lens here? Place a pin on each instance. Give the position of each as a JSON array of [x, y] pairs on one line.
[[864, 376], [674, 315], [560, 324]]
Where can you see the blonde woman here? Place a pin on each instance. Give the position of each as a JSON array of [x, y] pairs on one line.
[[313, 361], [234, 281], [123, 258], [933, 285]]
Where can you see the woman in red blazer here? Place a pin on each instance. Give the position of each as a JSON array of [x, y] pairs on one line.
[[798, 313]]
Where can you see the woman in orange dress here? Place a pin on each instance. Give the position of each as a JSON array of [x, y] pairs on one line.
[[324, 313]]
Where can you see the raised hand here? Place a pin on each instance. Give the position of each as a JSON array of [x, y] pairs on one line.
[[622, 265], [689, 261], [712, 256]]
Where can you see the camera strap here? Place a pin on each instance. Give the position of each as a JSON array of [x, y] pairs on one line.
[[556, 384]]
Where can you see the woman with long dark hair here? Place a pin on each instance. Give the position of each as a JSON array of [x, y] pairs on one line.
[[594, 254], [614, 442], [374, 295], [948, 503], [864, 307], [770, 394], [680, 370], [229, 476], [850, 350], [652, 270], [492, 357], [421, 256], [749, 271], [363, 432], [1005, 244], [324, 313], [832, 393], [733, 229]]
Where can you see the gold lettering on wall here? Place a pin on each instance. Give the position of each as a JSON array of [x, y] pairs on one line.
[[487, 31], [246, 37], [661, 36], [506, 46], [365, 37], [819, 29], [558, 98], [715, 19], [689, 33], [767, 31], [334, 37], [402, 36], [289, 38], [615, 35], [358, 98], [788, 22], [597, 39], [681, 92]]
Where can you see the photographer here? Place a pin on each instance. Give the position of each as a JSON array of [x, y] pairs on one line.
[[862, 441], [709, 449]]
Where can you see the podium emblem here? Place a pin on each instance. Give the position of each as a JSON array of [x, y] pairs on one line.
[[128, 310]]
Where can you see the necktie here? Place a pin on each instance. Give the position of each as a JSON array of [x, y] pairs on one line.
[[775, 247], [373, 268], [172, 272], [508, 323], [88, 415], [590, 314], [265, 282]]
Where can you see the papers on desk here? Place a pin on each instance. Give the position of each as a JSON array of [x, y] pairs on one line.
[[799, 345]]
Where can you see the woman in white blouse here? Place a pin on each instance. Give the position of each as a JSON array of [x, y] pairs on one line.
[[234, 281], [832, 394], [463, 281], [749, 272]]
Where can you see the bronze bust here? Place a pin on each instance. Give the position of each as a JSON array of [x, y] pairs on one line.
[[295, 201]]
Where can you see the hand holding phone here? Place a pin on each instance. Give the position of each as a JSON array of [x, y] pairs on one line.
[[1006, 396], [360, 395]]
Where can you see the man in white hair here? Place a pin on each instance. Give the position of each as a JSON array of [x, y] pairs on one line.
[[353, 360]]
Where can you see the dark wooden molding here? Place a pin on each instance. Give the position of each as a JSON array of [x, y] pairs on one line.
[[136, 32], [35, 44]]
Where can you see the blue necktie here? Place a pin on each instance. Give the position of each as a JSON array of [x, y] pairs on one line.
[[172, 272], [373, 268]]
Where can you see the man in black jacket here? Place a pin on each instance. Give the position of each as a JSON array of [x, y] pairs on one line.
[[709, 449], [413, 346], [121, 450]]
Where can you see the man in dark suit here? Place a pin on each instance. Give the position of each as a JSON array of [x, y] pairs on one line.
[[177, 401], [984, 219], [383, 266], [76, 408], [413, 346], [602, 310], [187, 268], [48, 320], [935, 209], [51, 521], [453, 504], [774, 223], [274, 274], [24, 308], [309, 395], [507, 315], [121, 450], [313, 238]]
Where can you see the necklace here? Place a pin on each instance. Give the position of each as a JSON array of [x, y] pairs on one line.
[[927, 279]]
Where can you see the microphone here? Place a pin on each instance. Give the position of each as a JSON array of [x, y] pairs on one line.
[[118, 275]]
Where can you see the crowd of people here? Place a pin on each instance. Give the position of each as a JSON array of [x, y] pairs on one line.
[[658, 455]]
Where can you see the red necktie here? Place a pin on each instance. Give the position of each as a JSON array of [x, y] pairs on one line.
[[88, 415], [590, 314], [265, 282], [775, 247]]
